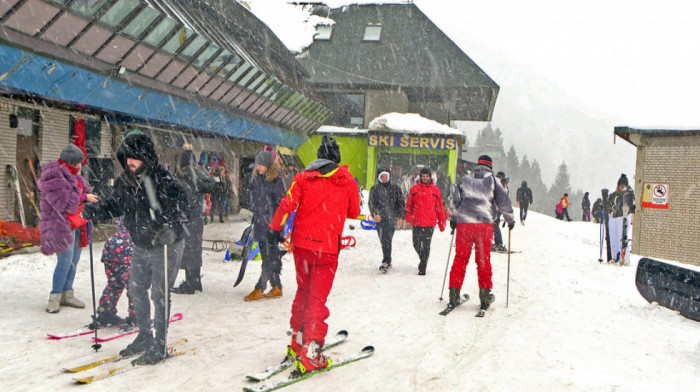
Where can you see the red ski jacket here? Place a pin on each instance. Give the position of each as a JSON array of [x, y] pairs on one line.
[[424, 206], [322, 203]]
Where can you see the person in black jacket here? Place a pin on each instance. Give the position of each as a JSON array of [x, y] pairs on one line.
[[197, 183], [386, 205], [586, 207], [524, 198], [267, 190], [597, 210], [153, 204]]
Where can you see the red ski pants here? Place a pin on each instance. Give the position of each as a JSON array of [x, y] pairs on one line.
[[315, 275], [479, 235]]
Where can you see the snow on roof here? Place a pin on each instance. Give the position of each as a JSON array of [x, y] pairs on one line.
[[333, 130], [411, 123]]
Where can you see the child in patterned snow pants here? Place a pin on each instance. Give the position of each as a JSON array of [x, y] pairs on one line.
[[116, 257]]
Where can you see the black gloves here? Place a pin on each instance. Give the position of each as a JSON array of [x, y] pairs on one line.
[[453, 226], [274, 236], [165, 236], [511, 225]]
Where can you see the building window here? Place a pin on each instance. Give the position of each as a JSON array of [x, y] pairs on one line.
[[143, 21], [348, 109], [373, 32], [162, 30], [119, 12], [176, 41], [323, 33], [87, 8]]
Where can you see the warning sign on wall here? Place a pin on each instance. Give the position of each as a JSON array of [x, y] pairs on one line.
[[655, 196]]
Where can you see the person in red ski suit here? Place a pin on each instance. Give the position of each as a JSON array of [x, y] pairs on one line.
[[424, 209], [476, 197], [323, 195]]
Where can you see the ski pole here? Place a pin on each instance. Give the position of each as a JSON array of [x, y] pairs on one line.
[[508, 282], [166, 293], [97, 345], [449, 253]]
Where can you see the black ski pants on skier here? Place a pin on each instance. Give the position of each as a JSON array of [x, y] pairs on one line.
[[271, 265], [523, 212], [385, 230], [421, 243], [497, 237]]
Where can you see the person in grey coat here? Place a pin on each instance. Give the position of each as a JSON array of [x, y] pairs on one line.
[[267, 189], [475, 201]]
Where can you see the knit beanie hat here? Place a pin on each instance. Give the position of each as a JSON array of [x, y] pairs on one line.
[[485, 161], [264, 158], [328, 149], [623, 180], [72, 155]]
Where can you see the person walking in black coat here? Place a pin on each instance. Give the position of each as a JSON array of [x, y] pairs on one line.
[[197, 183], [154, 207], [597, 210], [586, 207], [386, 205], [523, 197], [267, 190]]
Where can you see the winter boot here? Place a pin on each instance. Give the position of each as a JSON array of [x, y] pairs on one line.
[[422, 266], [486, 298], [254, 295], [274, 292], [104, 319], [454, 298], [294, 348], [68, 299], [54, 303], [156, 352], [143, 341], [384, 267], [311, 358], [184, 288]]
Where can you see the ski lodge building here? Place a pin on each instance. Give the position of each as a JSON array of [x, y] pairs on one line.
[[208, 74], [379, 59], [666, 189]]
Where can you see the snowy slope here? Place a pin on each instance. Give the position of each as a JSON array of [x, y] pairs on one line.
[[572, 324]]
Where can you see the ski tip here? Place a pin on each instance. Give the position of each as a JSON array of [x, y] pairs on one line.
[[343, 333], [368, 350], [175, 317], [466, 297]]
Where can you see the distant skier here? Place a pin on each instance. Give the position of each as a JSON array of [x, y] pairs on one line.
[[564, 201], [475, 200], [386, 205], [597, 210], [622, 208], [586, 207], [323, 195], [523, 197], [497, 237], [267, 190], [424, 209]]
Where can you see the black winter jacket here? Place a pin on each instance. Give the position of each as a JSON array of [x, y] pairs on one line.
[[386, 200]]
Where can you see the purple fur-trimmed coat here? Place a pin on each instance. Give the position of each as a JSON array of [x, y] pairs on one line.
[[60, 194]]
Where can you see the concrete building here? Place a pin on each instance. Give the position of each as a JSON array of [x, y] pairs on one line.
[[666, 188]]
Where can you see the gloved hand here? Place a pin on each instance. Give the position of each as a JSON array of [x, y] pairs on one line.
[[274, 236], [89, 211], [165, 236], [511, 225], [453, 226]]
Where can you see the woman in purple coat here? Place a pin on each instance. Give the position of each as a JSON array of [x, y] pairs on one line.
[[63, 230]]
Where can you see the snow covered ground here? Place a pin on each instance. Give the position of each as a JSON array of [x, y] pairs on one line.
[[572, 324]]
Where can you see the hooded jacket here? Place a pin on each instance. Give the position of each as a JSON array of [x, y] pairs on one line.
[[424, 206], [476, 197], [323, 195], [386, 200], [524, 194], [150, 202]]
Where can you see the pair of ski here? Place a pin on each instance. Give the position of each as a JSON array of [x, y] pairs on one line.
[[87, 331], [465, 298], [295, 376], [114, 359]]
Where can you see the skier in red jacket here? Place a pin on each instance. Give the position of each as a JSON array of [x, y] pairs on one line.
[[424, 208], [323, 195]]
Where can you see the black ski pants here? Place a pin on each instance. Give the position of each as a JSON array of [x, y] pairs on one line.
[[523, 212], [271, 265], [421, 243], [385, 230]]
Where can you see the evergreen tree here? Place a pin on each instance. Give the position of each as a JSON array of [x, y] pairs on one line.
[[512, 165], [539, 189], [525, 169], [561, 183]]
